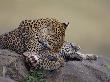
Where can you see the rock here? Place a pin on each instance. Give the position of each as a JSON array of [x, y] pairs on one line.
[[12, 66], [85, 71], [2, 79]]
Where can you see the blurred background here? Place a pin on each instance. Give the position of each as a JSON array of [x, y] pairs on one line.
[[89, 19]]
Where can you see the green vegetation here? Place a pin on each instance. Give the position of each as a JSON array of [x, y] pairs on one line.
[[35, 76]]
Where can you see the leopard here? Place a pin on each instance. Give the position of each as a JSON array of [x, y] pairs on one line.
[[31, 34], [69, 52], [48, 62], [28, 34]]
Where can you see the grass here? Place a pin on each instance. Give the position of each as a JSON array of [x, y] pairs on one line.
[[35, 76]]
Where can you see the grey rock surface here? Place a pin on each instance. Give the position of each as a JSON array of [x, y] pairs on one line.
[[2, 79], [85, 71], [12, 66]]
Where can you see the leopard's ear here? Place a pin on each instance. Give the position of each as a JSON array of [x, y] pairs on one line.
[[65, 25]]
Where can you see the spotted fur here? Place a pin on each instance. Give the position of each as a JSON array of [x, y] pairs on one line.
[[32, 34], [27, 36], [44, 60], [68, 52]]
